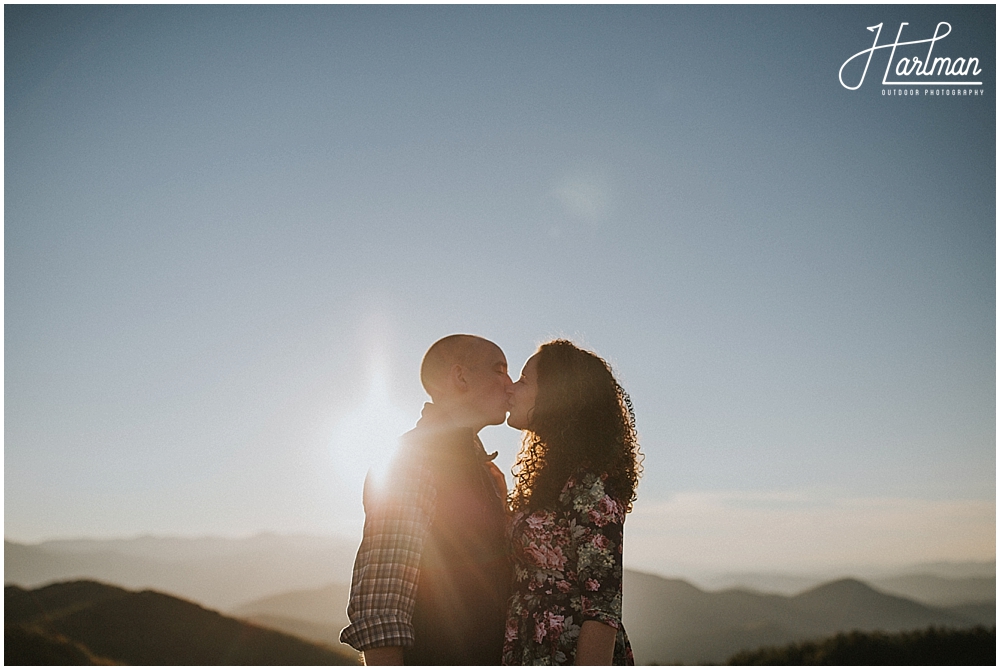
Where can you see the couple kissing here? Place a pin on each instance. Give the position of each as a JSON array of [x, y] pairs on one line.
[[453, 570]]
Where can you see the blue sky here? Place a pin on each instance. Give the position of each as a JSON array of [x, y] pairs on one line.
[[231, 233]]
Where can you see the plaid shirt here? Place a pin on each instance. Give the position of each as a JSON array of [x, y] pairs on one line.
[[384, 584]]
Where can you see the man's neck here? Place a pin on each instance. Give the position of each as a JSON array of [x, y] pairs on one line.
[[454, 416]]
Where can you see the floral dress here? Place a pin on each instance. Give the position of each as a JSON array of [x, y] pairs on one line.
[[567, 570]]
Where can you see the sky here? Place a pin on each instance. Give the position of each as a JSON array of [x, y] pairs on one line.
[[231, 232]]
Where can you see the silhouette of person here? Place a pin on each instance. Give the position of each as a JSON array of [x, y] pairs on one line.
[[576, 480], [432, 574]]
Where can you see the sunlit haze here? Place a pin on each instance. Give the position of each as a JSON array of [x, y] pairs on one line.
[[231, 233], [364, 437]]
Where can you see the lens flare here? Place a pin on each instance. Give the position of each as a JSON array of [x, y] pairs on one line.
[[365, 437]]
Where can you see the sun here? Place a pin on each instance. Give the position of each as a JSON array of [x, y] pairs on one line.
[[365, 437]]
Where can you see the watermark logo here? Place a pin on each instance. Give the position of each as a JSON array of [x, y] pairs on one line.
[[910, 65]]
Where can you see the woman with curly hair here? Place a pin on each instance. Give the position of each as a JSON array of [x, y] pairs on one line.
[[575, 479]]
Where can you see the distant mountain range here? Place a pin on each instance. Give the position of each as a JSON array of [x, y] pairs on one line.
[[940, 591], [223, 573], [86, 622], [941, 584], [671, 621], [215, 572], [298, 585]]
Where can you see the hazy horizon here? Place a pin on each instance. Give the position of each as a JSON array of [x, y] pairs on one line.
[[232, 232], [190, 550]]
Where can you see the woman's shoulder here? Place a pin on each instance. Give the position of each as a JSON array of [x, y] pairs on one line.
[[585, 492], [583, 478]]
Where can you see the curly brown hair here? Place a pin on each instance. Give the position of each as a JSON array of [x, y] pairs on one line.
[[582, 417]]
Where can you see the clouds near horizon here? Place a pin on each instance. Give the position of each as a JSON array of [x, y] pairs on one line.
[[805, 531]]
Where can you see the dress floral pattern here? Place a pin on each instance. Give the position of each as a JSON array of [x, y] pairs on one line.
[[567, 570]]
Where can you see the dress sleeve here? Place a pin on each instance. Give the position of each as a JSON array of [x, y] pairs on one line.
[[599, 522], [383, 587]]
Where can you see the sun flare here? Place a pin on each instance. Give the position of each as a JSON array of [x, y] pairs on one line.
[[365, 437]]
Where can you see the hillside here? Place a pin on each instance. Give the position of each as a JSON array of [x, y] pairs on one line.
[[326, 605], [312, 614], [310, 631], [275, 582], [31, 646], [976, 646], [89, 620], [671, 621], [984, 613]]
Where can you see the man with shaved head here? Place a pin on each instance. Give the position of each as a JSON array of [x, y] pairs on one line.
[[432, 575]]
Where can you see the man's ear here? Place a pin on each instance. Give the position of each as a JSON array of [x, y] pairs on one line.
[[458, 379]]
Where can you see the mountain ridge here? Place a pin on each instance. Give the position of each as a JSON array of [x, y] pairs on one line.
[[144, 628], [670, 621]]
